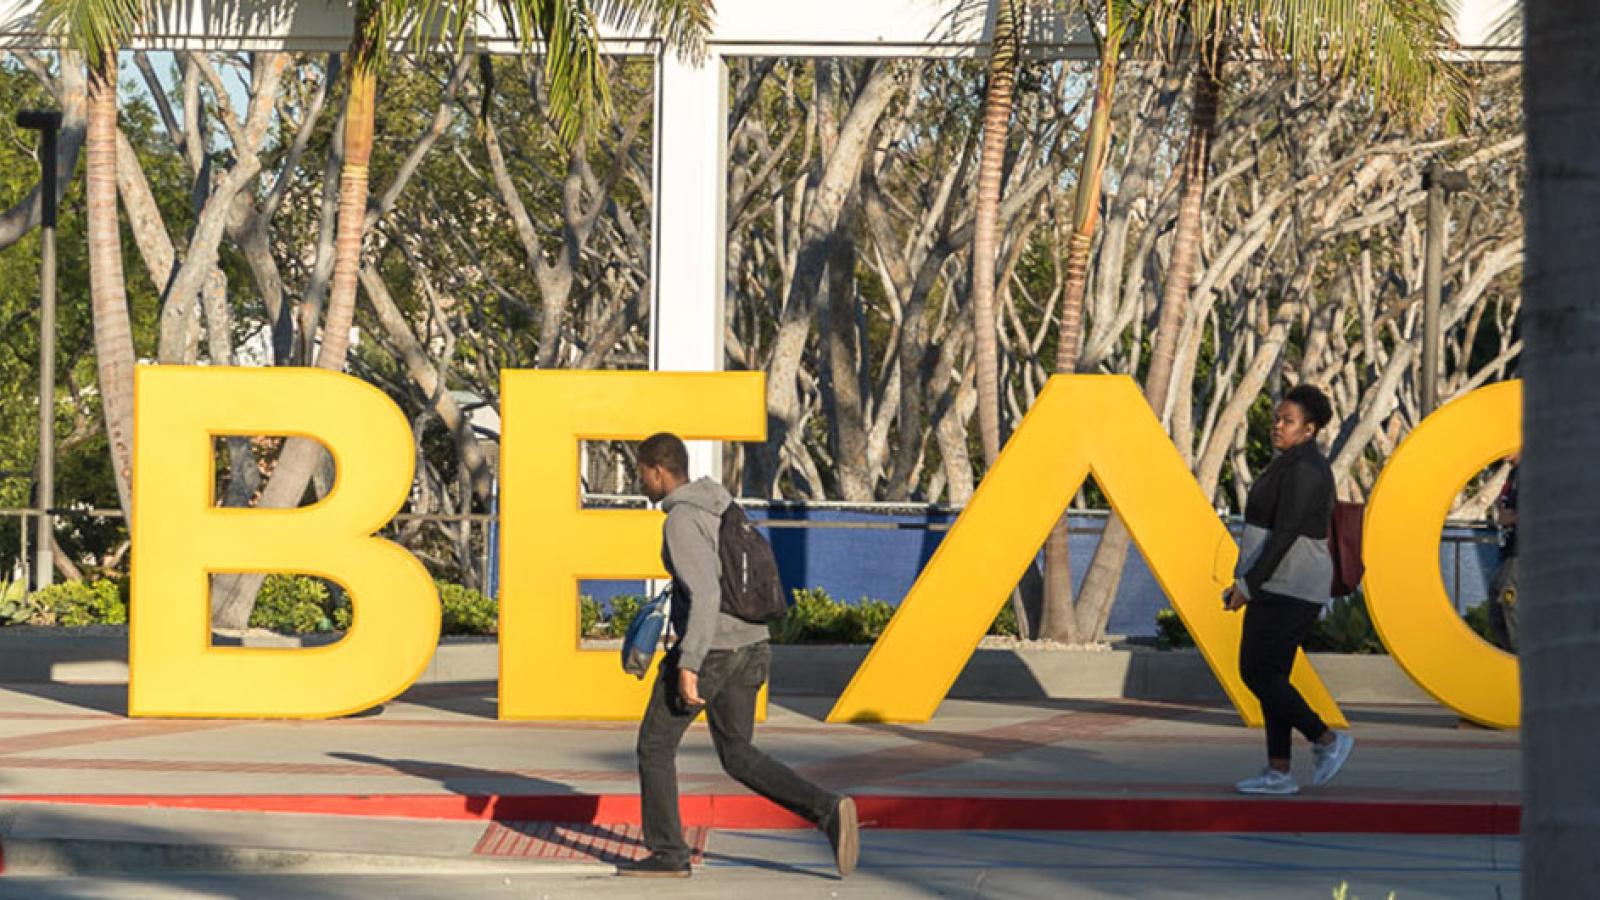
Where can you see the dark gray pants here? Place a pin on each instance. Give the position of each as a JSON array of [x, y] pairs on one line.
[[729, 681]]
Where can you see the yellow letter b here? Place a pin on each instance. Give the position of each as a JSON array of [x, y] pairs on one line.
[[181, 537]]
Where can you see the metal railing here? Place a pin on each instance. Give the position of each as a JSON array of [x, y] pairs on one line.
[[1458, 535]]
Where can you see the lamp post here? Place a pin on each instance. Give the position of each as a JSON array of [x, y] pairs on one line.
[[48, 124], [1439, 183]]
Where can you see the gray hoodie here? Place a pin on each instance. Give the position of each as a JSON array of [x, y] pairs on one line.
[[689, 550]]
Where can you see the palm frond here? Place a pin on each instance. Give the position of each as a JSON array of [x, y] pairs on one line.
[[1398, 48], [683, 24], [1506, 30], [575, 75], [93, 27]]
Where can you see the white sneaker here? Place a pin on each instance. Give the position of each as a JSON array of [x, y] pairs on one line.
[[1330, 759], [1270, 781]]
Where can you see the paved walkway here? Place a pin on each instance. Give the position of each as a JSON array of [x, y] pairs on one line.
[[443, 740], [898, 864], [432, 782]]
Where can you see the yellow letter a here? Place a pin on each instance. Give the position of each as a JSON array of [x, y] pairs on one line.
[[180, 537], [1078, 424]]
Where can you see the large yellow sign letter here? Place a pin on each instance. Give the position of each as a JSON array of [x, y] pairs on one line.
[[180, 537], [549, 542], [1405, 589], [1077, 425]]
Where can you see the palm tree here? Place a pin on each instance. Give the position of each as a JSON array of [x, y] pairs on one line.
[[1004, 55], [575, 79], [1115, 30], [1391, 46], [1561, 437], [96, 30]]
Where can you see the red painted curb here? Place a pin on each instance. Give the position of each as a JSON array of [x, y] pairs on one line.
[[877, 811]]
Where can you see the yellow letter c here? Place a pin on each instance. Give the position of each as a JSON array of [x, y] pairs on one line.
[[1405, 589]]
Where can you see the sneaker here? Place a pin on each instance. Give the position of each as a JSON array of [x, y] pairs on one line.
[[1330, 759], [844, 833], [1270, 781], [654, 866]]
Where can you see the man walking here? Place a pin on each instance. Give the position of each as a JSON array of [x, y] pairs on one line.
[[717, 664]]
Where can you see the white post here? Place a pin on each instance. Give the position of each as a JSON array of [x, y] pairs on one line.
[[690, 232]]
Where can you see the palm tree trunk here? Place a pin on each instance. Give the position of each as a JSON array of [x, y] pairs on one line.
[[234, 596], [113, 336], [997, 100], [1105, 571], [1058, 622], [1560, 485], [1005, 50]]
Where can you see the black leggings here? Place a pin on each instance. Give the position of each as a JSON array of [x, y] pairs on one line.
[[1274, 628]]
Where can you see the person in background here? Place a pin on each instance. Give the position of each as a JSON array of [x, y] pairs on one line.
[[1282, 583], [1503, 589], [717, 666]]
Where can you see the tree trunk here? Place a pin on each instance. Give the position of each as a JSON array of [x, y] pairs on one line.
[[479, 476], [1105, 571], [997, 100], [844, 359], [818, 225], [1560, 484], [113, 336], [1057, 622], [234, 596]]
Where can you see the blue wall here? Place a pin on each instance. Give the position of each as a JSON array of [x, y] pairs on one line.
[[881, 562]]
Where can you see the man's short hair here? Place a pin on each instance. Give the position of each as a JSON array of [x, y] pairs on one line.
[[665, 451], [1314, 402]]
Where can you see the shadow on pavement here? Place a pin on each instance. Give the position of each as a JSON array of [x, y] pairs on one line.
[[111, 699], [478, 699], [489, 792]]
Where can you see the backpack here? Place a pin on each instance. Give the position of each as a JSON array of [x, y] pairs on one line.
[[751, 589], [644, 634]]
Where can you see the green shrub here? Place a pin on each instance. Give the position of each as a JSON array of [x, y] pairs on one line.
[[817, 618], [1170, 630], [465, 611], [76, 603], [293, 604], [14, 606], [623, 608], [872, 616], [1005, 624], [1477, 616], [588, 615], [1345, 627]]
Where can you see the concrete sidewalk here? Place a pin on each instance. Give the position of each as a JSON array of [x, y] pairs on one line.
[[432, 783]]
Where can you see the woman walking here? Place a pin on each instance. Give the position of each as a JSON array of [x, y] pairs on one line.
[[1282, 583]]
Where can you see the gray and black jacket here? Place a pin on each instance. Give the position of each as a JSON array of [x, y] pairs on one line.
[[1284, 549], [689, 551]]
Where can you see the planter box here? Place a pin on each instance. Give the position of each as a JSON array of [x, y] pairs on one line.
[[100, 655]]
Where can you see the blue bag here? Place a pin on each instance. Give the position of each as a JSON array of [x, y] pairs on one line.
[[644, 634]]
